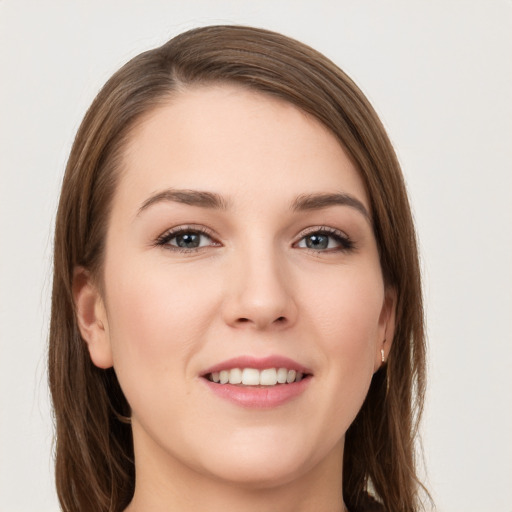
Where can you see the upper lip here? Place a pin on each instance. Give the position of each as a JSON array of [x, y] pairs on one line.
[[258, 363]]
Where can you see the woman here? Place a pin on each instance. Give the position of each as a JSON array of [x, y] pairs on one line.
[[236, 310]]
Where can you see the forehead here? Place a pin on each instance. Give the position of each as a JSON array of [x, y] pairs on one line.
[[236, 142]]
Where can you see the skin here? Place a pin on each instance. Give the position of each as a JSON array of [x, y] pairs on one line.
[[253, 287]]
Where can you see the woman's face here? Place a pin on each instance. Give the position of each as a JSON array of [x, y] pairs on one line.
[[239, 240]]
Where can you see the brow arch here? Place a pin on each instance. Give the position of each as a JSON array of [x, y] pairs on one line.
[[324, 200], [186, 196]]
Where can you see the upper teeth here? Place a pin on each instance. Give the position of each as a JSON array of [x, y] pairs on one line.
[[253, 377]]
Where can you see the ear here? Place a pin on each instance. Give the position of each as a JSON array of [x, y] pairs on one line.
[[92, 318], [386, 328]]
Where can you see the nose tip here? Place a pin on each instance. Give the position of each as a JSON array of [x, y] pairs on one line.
[[260, 297]]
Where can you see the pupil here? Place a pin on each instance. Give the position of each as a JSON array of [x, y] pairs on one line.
[[317, 241], [188, 241]]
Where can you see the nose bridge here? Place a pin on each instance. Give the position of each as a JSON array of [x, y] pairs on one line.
[[259, 293]]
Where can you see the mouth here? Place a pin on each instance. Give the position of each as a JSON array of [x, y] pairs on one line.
[[266, 377], [258, 382]]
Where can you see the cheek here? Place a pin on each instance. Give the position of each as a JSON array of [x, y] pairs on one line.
[[157, 320], [346, 318], [157, 317], [346, 306]]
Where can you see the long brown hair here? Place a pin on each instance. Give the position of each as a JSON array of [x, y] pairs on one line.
[[94, 452]]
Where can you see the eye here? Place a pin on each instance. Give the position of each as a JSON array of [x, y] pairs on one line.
[[326, 240], [186, 239]]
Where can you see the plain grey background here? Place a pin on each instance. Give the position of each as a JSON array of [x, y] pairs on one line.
[[439, 73]]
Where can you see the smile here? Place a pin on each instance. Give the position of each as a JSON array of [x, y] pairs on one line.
[[258, 382], [255, 377]]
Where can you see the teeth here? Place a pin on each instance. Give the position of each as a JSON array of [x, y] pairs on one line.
[[253, 377], [235, 376], [250, 377], [268, 377], [291, 376], [282, 373]]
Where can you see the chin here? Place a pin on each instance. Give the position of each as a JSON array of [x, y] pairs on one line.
[[260, 475], [263, 461]]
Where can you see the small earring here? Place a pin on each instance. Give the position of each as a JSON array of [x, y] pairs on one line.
[[383, 359]]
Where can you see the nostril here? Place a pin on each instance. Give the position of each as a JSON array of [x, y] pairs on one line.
[[244, 320]]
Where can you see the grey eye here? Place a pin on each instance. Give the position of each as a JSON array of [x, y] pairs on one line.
[[320, 241], [317, 241], [187, 240]]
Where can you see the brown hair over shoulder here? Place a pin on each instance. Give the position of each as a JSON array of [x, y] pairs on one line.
[[94, 452]]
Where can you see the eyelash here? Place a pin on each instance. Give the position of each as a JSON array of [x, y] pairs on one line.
[[344, 241], [164, 239], [345, 244]]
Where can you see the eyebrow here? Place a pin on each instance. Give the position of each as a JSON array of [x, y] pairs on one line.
[[190, 197], [215, 201], [319, 201]]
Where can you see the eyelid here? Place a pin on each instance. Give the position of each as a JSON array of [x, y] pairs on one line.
[[345, 242], [170, 233], [322, 229]]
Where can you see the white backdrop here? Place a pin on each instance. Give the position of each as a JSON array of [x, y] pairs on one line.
[[439, 73]]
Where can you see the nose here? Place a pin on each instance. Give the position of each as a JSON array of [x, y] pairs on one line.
[[259, 293]]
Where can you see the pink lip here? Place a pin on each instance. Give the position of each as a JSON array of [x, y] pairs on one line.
[[259, 397], [258, 363]]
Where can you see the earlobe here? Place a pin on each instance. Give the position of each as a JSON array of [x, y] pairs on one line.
[[91, 318], [386, 327]]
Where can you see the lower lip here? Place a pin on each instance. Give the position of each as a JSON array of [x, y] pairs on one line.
[[259, 397]]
